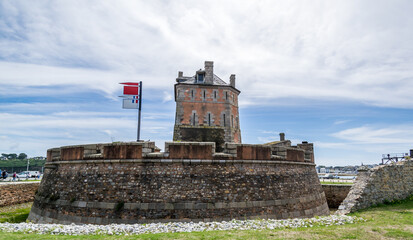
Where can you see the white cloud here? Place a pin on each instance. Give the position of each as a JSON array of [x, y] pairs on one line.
[[396, 134], [167, 97], [283, 53], [366, 144], [46, 131], [320, 50], [339, 122]]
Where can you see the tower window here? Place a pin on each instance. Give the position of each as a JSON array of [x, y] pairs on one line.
[[193, 119], [192, 93], [226, 95], [232, 120], [200, 77], [209, 119], [215, 94], [204, 94], [224, 120]]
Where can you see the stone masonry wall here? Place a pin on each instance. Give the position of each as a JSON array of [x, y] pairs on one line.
[[12, 194], [335, 194], [378, 185], [189, 182]]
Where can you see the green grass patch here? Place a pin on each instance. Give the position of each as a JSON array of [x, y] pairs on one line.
[[16, 213], [397, 233], [336, 183], [390, 221]]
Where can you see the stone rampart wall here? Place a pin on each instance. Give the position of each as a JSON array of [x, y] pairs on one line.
[[17, 193], [335, 194], [196, 184], [378, 185]]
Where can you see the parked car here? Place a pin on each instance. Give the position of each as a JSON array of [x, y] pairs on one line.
[[30, 174], [330, 176]]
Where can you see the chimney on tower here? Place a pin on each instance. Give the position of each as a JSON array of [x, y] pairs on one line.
[[232, 80], [282, 136], [209, 72]]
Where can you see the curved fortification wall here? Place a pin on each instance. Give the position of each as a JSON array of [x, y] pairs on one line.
[[130, 183]]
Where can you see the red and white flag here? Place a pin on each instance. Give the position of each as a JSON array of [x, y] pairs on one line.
[[131, 102], [130, 95], [130, 88]]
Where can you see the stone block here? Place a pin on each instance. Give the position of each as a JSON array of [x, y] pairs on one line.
[[295, 155], [253, 152], [122, 152], [169, 206], [71, 153], [200, 206], [191, 151], [81, 204]]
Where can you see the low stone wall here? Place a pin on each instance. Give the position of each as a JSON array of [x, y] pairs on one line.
[[378, 185], [16, 193], [335, 194]]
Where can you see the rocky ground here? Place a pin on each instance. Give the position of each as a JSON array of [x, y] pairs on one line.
[[133, 229]]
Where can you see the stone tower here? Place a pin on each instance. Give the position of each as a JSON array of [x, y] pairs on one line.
[[206, 108]]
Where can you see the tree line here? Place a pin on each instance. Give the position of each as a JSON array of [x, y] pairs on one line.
[[21, 156]]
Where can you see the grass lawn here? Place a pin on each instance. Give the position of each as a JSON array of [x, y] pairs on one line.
[[393, 221], [15, 214]]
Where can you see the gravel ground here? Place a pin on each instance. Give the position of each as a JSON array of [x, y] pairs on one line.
[[134, 229]]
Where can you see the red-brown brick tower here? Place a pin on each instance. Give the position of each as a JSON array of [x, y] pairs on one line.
[[206, 108]]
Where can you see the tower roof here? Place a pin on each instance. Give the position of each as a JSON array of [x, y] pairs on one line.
[[207, 77], [191, 80]]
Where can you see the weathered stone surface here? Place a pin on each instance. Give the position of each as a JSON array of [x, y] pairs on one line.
[[295, 155], [156, 190], [189, 181], [179, 150], [122, 152], [12, 194], [253, 152], [70, 153], [378, 185]]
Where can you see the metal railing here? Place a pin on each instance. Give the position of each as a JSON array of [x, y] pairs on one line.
[[394, 157]]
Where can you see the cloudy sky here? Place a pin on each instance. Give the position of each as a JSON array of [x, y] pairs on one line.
[[336, 73]]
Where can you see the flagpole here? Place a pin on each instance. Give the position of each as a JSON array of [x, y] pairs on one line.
[[139, 112]]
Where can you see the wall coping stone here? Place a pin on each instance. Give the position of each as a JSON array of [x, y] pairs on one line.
[[168, 161]]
